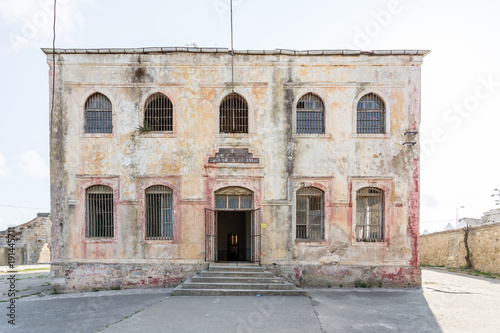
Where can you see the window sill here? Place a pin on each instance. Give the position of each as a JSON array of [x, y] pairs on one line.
[[312, 136], [370, 243], [310, 241], [97, 135], [158, 135], [159, 241], [232, 135], [371, 136], [100, 240]]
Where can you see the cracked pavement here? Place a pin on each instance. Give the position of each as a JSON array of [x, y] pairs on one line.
[[447, 302]]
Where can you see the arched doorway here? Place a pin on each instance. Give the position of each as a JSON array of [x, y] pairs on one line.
[[232, 226]]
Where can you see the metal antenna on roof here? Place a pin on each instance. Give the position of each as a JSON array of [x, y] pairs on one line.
[[232, 67], [232, 50], [53, 66]]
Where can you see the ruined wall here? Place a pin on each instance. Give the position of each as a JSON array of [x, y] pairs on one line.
[[32, 242], [339, 162], [446, 248]]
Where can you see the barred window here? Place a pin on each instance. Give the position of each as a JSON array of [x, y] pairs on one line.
[[371, 114], [99, 209], [158, 113], [234, 198], [159, 213], [370, 215], [310, 114], [98, 114], [310, 214], [233, 114]]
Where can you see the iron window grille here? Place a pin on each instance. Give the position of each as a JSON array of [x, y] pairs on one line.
[[99, 211], [310, 115], [158, 113], [159, 213], [370, 115], [310, 214], [370, 215], [233, 114], [233, 202], [98, 114]]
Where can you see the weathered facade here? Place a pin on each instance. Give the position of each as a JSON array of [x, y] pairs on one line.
[[308, 163], [32, 242]]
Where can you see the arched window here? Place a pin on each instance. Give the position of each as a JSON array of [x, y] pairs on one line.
[[158, 113], [369, 215], [98, 114], [99, 211], [159, 213], [370, 114], [233, 113], [234, 198], [310, 213], [310, 114]]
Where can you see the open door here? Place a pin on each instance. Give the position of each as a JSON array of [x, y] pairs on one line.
[[256, 235], [210, 234]]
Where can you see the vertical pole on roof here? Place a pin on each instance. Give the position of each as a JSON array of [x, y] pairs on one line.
[[232, 49]]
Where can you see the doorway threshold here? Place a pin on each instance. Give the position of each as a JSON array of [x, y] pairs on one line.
[[235, 263]]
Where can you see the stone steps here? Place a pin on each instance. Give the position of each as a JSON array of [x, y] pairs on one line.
[[236, 280], [222, 285], [198, 278], [238, 292]]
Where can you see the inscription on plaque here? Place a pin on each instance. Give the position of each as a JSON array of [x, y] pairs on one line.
[[229, 155]]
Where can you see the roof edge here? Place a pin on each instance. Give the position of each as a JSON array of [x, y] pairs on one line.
[[147, 50]]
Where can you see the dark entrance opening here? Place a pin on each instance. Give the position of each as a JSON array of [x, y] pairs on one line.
[[234, 235]]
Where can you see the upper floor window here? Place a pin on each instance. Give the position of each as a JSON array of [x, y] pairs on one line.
[[310, 213], [369, 215], [158, 113], [159, 213], [370, 115], [310, 115], [233, 114], [98, 114], [99, 211]]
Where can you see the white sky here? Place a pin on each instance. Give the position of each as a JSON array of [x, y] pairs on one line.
[[460, 114]]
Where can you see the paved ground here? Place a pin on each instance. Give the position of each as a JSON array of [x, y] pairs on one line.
[[446, 303]]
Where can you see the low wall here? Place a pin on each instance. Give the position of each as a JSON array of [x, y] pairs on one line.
[[71, 277], [447, 248], [348, 275]]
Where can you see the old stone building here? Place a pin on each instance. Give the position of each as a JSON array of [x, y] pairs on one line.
[[32, 242], [166, 159]]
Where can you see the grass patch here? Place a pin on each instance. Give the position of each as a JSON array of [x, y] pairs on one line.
[[424, 265], [362, 284], [473, 272]]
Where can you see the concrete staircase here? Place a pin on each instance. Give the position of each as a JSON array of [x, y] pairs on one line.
[[236, 279]]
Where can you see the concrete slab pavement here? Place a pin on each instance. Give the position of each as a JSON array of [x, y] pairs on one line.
[[224, 314], [462, 303], [448, 302]]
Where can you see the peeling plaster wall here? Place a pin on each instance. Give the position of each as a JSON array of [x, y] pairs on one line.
[[339, 161]]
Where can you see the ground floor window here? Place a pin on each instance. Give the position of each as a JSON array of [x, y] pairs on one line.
[[369, 215], [99, 211], [159, 213], [310, 214]]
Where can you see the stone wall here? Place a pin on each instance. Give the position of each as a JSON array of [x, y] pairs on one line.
[[32, 242], [446, 248]]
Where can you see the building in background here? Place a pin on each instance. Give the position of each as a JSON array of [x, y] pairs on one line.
[[32, 242], [307, 162]]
